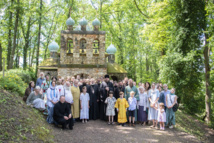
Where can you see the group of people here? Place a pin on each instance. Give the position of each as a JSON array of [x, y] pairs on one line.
[[71, 99]]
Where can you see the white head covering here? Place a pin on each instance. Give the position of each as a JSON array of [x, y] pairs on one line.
[[37, 87]]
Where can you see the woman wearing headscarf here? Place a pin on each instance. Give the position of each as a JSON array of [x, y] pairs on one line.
[[52, 99]]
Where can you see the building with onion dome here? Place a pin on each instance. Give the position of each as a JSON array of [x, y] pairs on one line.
[[82, 52]]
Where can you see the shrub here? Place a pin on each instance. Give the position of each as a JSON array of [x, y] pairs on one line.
[[16, 80]]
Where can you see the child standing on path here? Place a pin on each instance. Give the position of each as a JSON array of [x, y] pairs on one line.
[[122, 106], [84, 103], [161, 116], [110, 112], [132, 107]]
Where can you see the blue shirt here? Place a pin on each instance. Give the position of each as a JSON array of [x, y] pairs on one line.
[[132, 103], [165, 93], [39, 82]]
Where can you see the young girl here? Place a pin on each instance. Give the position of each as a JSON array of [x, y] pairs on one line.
[[84, 103], [110, 112], [161, 116], [132, 107], [122, 106]]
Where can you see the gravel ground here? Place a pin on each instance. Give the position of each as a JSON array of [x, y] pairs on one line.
[[99, 131]]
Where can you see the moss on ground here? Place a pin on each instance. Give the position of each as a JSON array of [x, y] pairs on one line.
[[21, 123]]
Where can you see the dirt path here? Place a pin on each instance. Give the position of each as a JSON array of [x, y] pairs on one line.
[[98, 132]]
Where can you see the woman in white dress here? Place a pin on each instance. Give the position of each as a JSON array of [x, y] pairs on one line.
[[153, 98]]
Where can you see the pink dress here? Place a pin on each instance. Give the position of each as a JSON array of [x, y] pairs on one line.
[[161, 116]]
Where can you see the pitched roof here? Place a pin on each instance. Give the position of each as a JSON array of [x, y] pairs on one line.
[[115, 68]]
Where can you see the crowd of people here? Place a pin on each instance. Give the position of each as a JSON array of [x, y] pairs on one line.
[[68, 100]]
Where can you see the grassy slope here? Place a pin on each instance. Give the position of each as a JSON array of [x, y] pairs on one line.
[[189, 124], [20, 123]]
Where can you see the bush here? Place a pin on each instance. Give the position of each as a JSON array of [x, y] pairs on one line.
[[16, 80]]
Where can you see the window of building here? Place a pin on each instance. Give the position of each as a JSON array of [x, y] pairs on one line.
[[82, 46], [70, 46], [96, 47]]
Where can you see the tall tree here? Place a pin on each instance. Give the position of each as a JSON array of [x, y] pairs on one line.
[[39, 34], [27, 40], [14, 37], [9, 34], [208, 26], [0, 57]]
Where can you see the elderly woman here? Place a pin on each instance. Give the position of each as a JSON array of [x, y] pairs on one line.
[[36, 99], [153, 98], [52, 99], [171, 100], [29, 89], [143, 105]]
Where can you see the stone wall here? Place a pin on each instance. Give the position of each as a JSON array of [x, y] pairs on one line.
[[92, 72], [88, 57], [48, 71]]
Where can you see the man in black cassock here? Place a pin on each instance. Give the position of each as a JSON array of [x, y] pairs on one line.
[[105, 87], [94, 99], [84, 84], [116, 95], [62, 114], [98, 82]]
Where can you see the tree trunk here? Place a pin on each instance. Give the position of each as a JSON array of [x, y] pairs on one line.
[[27, 39], [141, 70], [101, 5], [32, 56], [29, 55], [147, 64], [38, 44], [14, 37], [70, 9], [0, 57], [17, 52], [121, 51], [207, 80], [9, 36]]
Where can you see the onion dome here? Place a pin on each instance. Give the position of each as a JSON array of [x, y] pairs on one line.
[[96, 22], [70, 22], [111, 49], [83, 21], [53, 47], [78, 28]]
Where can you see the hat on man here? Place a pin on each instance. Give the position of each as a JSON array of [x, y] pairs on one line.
[[106, 76]]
